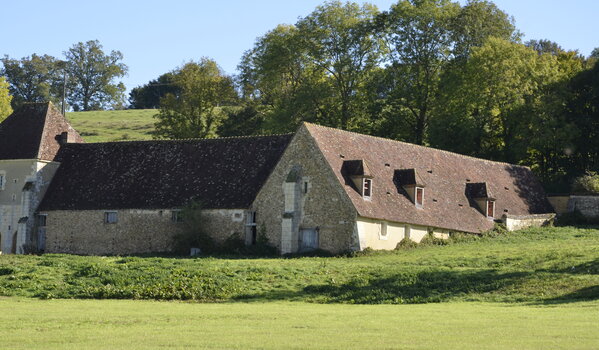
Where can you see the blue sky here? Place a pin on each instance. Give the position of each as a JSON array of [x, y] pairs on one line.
[[157, 36]]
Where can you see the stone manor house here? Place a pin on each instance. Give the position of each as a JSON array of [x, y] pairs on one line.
[[319, 188]]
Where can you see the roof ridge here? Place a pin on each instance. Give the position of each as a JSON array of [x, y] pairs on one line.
[[418, 146], [39, 146], [182, 140]]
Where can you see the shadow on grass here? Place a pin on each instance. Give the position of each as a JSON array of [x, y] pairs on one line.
[[587, 268], [584, 294], [408, 288]]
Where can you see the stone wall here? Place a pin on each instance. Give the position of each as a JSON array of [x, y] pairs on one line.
[[518, 222], [136, 232], [586, 205], [315, 200]]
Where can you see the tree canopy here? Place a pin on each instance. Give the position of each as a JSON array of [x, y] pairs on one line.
[[5, 98], [191, 112], [92, 75]]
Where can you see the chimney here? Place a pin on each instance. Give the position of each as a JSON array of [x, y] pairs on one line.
[[64, 138]]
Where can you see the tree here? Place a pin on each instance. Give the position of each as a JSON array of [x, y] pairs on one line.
[[419, 35], [5, 98], [582, 110], [491, 105], [477, 21], [279, 82], [314, 70], [149, 95], [91, 76], [545, 46], [192, 112], [33, 79], [340, 40]]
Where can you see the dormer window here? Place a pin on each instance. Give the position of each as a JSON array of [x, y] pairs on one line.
[[490, 209], [480, 193], [412, 184], [367, 188], [360, 175], [419, 197]]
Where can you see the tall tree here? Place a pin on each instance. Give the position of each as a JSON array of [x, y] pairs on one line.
[[92, 75], [192, 112], [5, 98], [33, 79], [487, 106], [315, 70], [419, 35], [477, 21], [278, 80], [340, 39]]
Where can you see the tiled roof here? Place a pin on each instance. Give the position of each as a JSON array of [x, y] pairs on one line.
[[222, 173], [32, 132], [446, 174]]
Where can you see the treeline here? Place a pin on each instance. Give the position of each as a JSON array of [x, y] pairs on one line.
[[431, 72], [85, 75]]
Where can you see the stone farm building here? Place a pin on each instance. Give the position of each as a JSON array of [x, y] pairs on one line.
[[319, 188]]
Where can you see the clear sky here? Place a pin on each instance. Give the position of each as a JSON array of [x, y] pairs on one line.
[[157, 36]]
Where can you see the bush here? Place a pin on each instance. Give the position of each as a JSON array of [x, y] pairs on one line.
[[588, 183], [430, 239], [406, 243], [194, 234]]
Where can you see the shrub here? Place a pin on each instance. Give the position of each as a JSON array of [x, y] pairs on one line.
[[194, 232], [406, 243], [588, 183]]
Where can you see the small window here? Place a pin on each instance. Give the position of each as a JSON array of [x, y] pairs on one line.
[[176, 216], [383, 234], [305, 187], [419, 197], [250, 227], [41, 220], [110, 217], [367, 188], [2, 181], [490, 209]]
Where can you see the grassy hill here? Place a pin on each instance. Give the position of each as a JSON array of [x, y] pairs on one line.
[[547, 265], [123, 125]]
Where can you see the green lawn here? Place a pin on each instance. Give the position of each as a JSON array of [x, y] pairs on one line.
[[114, 324], [123, 125], [540, 266]]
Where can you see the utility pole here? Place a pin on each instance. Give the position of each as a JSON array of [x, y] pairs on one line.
[[64, 90]]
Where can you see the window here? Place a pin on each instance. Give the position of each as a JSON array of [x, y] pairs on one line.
[[419, 197], [2, 180], [305, 187], [383, 232], [176, 216], [41, 220], [250, 227], [367, 188], [110, 217], [490, 209]]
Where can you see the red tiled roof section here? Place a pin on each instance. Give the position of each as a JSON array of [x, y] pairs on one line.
[[223, 173], [445, 203], [31, 132]]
